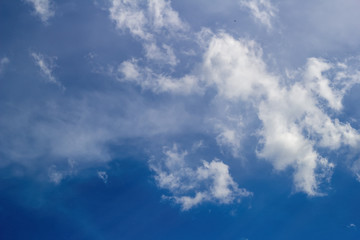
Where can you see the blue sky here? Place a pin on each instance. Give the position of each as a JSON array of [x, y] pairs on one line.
[[161, 119]]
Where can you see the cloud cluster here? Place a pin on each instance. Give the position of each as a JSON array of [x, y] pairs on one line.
[[294, 116], [43, 8], [297, 115], [210, 182]]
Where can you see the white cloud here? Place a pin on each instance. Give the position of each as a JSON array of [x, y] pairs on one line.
[[43, 8], [152, 22], [162, 15], [235, 68], [262, 10], [46, 66], [210, 182], [145, 18], [130, 71], [295, 122], [293, 114], [164, 55], [230, 135], [103, 176], [56, 176], [129, 16], [197, 145], [317, 82], [351, 225]]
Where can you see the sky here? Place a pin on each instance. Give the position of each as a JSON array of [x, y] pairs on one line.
[[159, 119]]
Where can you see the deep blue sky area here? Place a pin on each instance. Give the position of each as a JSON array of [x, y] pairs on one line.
[[179, 119], [129, 208]]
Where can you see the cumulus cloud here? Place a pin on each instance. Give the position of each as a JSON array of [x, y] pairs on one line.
[[262, 10], [189, 187], [297, 115], [46, 65], [295, 122], [235, 68], [43, 8]]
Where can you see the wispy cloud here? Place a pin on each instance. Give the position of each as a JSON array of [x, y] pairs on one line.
[[57, 175], [262, 10], [103, 176], [130, 71], [351, 226], [145, 18], [43, 8], [46, 66], [147, 21]]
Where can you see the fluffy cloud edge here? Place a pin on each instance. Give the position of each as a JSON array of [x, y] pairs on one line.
[[190, 187], [43, 8]]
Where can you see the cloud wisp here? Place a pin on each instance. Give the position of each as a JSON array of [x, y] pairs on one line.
[[43, 8], [261, 10], [148, 21], [46, 66]]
